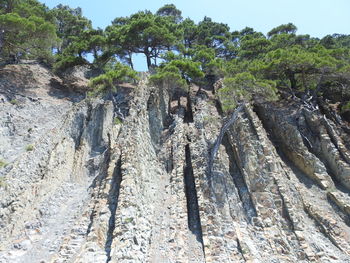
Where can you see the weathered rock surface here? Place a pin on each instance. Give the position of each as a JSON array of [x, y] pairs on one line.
[[94, 190]]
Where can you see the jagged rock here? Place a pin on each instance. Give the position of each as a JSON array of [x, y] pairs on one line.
[[149, 189], [76, 78]]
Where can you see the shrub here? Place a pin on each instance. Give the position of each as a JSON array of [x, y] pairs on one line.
[[177, 72], [2, 182], [129, 220], [345, 107], [107, 82], [29, 148], [14, 102], [168, 75], [2, 163], [117, 121], [64, 62], [245, 87]]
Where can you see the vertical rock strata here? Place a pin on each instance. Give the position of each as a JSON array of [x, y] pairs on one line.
[[96, 190]]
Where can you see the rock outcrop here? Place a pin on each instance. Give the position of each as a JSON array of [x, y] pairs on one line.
[[82, 186]]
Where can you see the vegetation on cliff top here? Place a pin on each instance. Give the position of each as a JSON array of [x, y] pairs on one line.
[[178, 50]]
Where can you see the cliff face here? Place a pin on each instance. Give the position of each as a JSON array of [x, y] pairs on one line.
[[82, 187]]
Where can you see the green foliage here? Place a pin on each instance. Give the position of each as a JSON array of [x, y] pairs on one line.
[[2, 163], [107, 82], [128, 220], [144, 33], [345, 107], [211, 65], [27, 8], [3, 183], [169, 74], [243, 87], [336, 41], [212, 34], [65, 61], [29, 148], [253, 47], [7, 6], [22, 37], [282, 41], [189, 29], [178, 72], [283, 29], [254, 65], [203, 54], [14, 102], [117, 121], [70, 25], [171, 12], [27, 31], [301, 67], [78, 39]]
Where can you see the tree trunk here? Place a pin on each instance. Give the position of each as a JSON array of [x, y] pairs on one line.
[[318, 86], [130, 60], [10, 6], [306, 89], [148, 57], [2, 32], [293, 81], [149, 63], [95, 54]]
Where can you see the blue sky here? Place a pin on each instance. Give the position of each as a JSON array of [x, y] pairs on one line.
[[315, 17]]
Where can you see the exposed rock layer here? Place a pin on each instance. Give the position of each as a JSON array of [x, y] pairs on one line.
[[95, 190]]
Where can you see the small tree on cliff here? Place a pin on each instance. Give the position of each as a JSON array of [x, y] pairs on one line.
[[177, 73], [244, 87], [106, 83]]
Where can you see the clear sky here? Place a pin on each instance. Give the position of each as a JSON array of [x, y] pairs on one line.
[[314, 17]]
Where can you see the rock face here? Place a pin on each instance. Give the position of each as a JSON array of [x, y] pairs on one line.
[[80, 186]]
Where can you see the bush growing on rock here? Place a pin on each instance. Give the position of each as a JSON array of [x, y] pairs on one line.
[[2, 163], [178, 72], [29, 148], [64, 62], [107, 82], [2, 182], [14, 102], [117, 121], [244, 87]]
